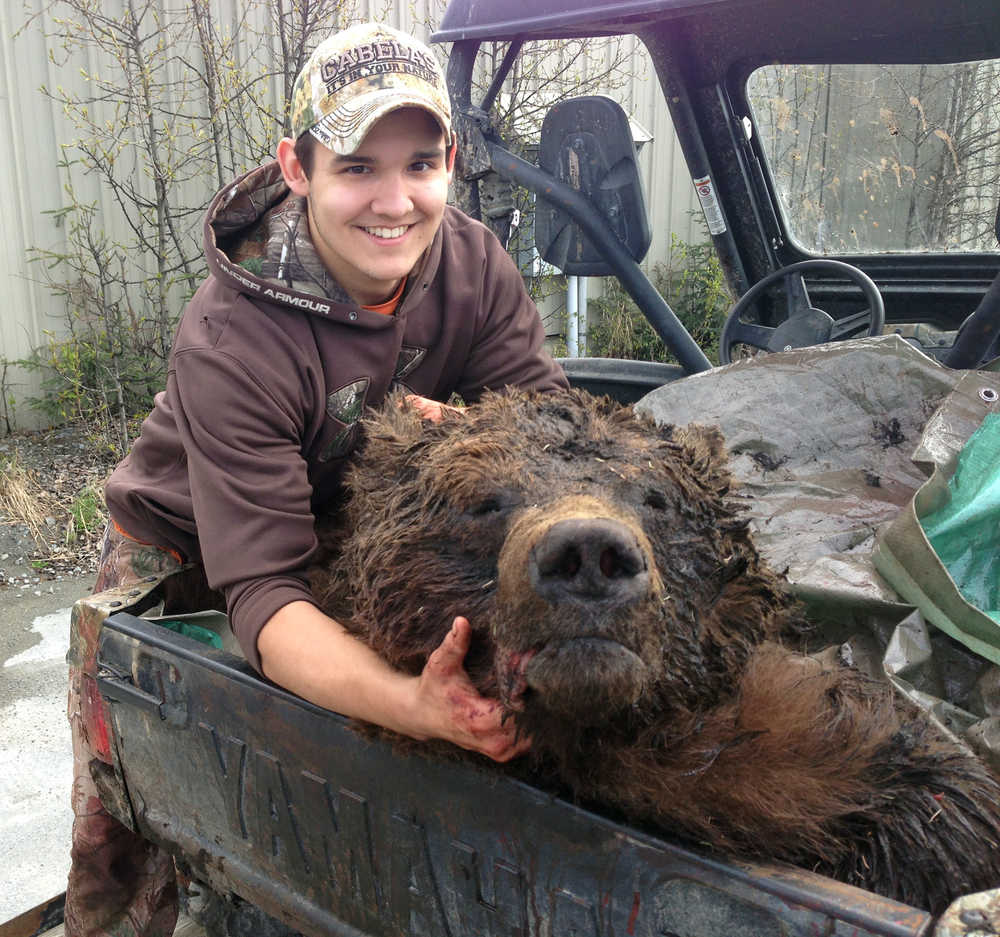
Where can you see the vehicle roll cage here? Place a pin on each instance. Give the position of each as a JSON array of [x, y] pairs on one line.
[[483, 151]]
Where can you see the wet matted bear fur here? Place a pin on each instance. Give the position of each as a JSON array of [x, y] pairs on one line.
[[624, 618]]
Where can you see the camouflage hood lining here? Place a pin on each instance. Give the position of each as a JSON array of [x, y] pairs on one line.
[[256, 233]]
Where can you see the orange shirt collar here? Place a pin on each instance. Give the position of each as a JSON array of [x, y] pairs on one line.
[[389, 306]]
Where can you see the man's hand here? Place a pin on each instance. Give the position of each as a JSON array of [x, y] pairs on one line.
[[465, 718], [314, 656], [432, 410]]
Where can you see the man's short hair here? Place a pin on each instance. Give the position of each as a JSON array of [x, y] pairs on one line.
[[305, 153]]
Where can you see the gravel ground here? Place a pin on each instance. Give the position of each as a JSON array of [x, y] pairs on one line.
[[54, 468]]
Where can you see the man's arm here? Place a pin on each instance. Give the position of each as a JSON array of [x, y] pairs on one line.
[[314, 656]]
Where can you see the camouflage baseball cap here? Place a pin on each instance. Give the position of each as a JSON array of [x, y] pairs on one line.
[[357, 76]]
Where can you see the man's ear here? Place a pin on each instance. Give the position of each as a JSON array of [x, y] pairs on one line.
[[291, 168], [452, 152]]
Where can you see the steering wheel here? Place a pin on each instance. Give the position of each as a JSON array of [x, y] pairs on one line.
[[805, 324]]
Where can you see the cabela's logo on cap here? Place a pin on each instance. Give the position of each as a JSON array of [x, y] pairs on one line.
[[359, 75], [385, 56]]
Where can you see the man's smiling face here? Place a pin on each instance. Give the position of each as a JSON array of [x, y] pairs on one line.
[[373, 213]]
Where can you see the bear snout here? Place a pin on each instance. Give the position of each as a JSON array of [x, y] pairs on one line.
[[584, 559], [576, 621]]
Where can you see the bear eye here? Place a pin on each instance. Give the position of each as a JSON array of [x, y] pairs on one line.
[[486, 506], [655, 499]]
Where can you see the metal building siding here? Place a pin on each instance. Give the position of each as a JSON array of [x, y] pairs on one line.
[[32, 183], [30, 186]]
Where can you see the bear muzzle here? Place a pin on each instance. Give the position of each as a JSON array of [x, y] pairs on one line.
[[586, 680], [576, 579]]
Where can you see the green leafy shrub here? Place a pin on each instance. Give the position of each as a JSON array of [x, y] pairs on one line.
[[694, 286], [104, 382], [87, 514]]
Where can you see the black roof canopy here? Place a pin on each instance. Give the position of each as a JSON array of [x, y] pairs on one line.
[[550, 19], [732, 30]]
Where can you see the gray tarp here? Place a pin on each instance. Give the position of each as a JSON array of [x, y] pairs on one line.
[[839, 450]]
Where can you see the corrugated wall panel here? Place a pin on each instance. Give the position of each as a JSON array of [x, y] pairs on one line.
[[30, 187], [32, 183]]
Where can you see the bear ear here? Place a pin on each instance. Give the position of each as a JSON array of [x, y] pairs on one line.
[[705, 450], [706, 443], [395, 437], [390, 435]]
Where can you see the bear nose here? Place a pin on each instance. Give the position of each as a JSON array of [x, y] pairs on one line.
[[588, 559]]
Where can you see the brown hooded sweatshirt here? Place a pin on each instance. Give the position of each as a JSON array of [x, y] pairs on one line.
[[271, 369]]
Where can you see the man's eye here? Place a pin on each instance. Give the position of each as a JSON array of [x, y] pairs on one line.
[[358, 170], [421, 166]]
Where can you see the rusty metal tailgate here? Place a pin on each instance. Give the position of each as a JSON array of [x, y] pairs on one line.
[[283, 804]]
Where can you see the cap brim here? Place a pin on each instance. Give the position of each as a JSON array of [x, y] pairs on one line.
[[344, 128]]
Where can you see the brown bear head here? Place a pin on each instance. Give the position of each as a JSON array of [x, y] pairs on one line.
[[598, 557]]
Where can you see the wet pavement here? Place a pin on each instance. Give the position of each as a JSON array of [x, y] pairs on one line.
[[35, 757]]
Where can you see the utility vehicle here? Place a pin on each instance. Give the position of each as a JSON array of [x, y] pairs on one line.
[[847, 159]]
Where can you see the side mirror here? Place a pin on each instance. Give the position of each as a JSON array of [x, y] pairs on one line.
[[587, 143]]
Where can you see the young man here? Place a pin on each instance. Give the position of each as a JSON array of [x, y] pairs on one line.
[[337, 273]]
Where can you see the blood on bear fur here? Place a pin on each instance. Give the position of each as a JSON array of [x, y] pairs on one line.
[[627, 623]]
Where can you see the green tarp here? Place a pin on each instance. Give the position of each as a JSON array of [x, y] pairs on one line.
[[965, 532]]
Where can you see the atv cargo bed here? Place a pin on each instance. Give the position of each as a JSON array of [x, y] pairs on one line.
[[280, 802]]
